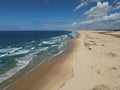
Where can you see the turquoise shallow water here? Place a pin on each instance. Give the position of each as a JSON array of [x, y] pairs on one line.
[[18, 48]]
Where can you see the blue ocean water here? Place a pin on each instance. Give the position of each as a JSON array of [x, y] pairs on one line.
[[18, 48]]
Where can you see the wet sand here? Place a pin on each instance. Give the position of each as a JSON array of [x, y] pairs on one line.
[[92, 63], [49, 76]]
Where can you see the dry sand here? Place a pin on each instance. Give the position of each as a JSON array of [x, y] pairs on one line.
[[97, 63], [93, 63]]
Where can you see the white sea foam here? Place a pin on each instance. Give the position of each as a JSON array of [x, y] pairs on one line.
[[55, 45], [41, 50], [73, 34], [61, 45], [54, 40], [3, 55], [21, 62], [19, 52], [32, 48], [31, 52], [9, 50], [15, 53], [39, 44], [33, 41], [48, 42], [15, 49]]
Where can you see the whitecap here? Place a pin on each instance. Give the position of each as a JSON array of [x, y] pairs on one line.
[[3, 55], [19, 52], [9, 50], [32, 48], [15, 49], [33, 41]]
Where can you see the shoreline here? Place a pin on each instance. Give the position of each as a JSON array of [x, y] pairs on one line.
[[20, 74], [92, 63], [17, 57]]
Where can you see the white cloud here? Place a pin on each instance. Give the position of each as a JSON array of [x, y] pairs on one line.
[[117, 6], [98, 18], [112, 18], [84, 3], [81, 5], [99, 11]]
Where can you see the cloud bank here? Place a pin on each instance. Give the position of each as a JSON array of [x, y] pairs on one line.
[[97, 17]]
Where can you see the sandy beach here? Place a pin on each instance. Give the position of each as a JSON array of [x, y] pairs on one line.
[[97, 63], [92, 63]]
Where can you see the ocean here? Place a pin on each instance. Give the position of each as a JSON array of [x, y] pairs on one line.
[[18, 48]]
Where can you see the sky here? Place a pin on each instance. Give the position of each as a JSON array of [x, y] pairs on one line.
[[59, 14]]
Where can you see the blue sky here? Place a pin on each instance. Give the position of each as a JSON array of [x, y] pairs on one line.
[[59, 14]]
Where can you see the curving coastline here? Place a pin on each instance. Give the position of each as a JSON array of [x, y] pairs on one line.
[[50, 75], [92, 63]]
